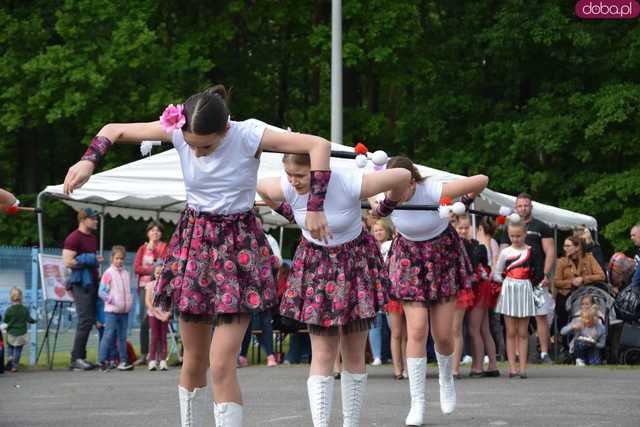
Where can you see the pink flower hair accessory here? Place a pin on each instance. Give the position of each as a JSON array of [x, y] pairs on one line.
[[172, 118]]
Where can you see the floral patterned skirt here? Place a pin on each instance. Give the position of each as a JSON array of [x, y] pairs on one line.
[[337, 287], [217, 265], [430, 271]]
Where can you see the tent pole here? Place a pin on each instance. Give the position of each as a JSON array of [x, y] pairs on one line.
[[336, 71], [102, 221], [556, 348], [40, 214], [281, 237]]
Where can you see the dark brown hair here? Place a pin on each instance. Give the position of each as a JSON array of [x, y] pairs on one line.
[[488, 225], [524, 196], [155, 224], [207, 112], [405, 163], [297, 159], [465, 217], [576, 242]]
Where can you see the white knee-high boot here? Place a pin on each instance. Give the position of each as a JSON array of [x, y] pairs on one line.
[[227, 414], [195, 407], [353, 391], [320, 389], [417, 370], [447, 386]]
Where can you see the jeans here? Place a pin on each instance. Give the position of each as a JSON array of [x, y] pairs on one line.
[[112, 350], [85, 301], [115, 326], [375, 336], [299, 348], [589, 353], [259, 321], [15, 352]]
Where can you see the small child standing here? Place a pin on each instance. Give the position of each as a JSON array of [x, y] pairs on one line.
[[159, 324], [17, 317], [115, 291]]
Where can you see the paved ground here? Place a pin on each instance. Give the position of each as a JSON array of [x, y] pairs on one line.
[[552, 396]]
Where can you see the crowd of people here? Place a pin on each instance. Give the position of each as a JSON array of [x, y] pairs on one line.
[[426, 274]]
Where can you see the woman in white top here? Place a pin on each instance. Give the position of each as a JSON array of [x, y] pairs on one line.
[[335, 286], [218, 262], [381, 232], [429, 269]]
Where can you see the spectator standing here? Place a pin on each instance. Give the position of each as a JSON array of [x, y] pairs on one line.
[[80, 255]]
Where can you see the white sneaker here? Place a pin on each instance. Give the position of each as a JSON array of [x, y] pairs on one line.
[[580, 362], [163, 365], [153, 365], [376, 362], [466, 360], [125, 366]]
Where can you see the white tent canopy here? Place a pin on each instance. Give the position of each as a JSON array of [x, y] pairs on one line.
[[152, 188]]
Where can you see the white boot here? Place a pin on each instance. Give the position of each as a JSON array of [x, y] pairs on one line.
[[195, 407], [228, 414], [353, 390], [320, 391], [417, 370], [447, 387]]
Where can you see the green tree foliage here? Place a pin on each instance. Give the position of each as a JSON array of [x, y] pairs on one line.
[[522, 91]]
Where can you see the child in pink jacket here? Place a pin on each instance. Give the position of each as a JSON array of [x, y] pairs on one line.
[[115, 291]]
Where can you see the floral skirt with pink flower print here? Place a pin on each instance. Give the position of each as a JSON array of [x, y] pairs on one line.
[[429, 271], [336, 287], [217, 265]]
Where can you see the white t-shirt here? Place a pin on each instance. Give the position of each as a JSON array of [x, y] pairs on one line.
[[223, 182], [418, 226], [341, 206], [384, 249]]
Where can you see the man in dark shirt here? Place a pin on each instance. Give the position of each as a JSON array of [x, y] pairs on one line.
[[82, 241], [540, 238]]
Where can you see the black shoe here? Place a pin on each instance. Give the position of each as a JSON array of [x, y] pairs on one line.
[[457, 376], [491, 374], [523, 376], [336, 375], [80, 365], [476, 374]]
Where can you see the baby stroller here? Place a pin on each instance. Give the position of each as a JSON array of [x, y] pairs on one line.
[[627, 308], [601, 298]]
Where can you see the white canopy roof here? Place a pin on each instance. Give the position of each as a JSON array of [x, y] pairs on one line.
[[153, 188]]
